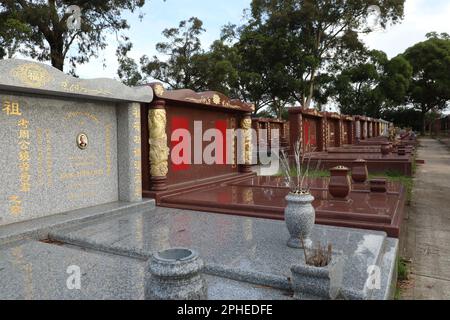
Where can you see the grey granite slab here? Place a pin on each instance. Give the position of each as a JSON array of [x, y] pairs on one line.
[[38, 271], [240, 248], [39, 228], [29, 76], [59, 176], [67, 143]]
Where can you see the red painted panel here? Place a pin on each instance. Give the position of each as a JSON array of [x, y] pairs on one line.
[[179, 123]]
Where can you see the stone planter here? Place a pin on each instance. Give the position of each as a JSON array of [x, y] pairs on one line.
[[340, 185], [175, 274], [309, 282], [300, 217], [359, 171]]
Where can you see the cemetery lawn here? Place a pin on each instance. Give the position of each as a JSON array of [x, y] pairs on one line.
[[408, 182]]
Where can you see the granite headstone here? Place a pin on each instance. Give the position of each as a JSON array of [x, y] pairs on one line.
[[66, 143]]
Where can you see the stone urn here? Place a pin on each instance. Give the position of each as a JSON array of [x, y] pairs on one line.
[[300, 217], [318, 283], [340, 185], [386, 148], [359, 171], [175, 274]]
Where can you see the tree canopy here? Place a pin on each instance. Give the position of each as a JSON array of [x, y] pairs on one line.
[[303, 38], [42, 30], [373, 85], [430, 84]]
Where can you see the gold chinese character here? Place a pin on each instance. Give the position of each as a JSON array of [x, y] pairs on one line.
[[11, 109], [136, 113], [137, 165], [15, 210], [24, 156], [137, 139], [16, 205], [24, 145], [24, 166], [25, 177], [15, 199], [25, 187], [137, 152], [137, 126], [23, 123], [24, 134]]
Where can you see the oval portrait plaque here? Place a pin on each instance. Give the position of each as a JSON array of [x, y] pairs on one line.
[[82, 141]]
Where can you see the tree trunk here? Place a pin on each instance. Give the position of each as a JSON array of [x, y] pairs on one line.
[[57, 56], [424, 124], [311, 90]]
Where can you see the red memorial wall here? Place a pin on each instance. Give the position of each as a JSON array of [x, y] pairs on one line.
[[194, 113]]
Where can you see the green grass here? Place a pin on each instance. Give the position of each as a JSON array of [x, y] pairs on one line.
[[391, 176], [402, 269], [398, 293], [402, 275]]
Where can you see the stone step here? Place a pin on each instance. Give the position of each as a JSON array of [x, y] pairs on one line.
[[39, 228]]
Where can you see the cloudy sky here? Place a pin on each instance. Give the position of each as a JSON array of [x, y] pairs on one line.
[[421, 16]]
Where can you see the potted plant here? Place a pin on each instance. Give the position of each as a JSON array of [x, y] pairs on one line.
[[299, 213], [320, 277]]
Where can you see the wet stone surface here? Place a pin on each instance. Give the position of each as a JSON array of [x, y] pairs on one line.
[[245, 247]]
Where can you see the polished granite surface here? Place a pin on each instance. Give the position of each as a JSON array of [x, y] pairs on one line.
[[358, 205], [313, 183], [38, 271], [235, 243], [367, 156]]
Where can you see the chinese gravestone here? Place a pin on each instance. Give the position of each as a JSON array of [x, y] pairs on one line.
[[67, 143]]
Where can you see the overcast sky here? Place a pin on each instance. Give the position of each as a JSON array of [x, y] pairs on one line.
[[421, 16]]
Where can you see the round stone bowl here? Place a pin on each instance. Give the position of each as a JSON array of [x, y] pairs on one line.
[[175, 274]]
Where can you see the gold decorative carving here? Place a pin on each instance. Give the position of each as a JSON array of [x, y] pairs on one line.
[[246, 123], [216, 99], [159, 152], [159, 89], [247, 196], [78, 88], [246, 126], [32, 75]]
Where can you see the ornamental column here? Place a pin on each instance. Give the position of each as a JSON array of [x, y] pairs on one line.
[[358, 130], [159, 152], [246, 128]]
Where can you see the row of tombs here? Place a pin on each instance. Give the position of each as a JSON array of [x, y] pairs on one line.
[[349, 147], [75, 144]]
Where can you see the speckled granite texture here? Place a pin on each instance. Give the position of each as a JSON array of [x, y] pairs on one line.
[[244, 249]]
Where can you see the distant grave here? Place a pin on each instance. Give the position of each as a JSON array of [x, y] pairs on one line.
[[176, 127]]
